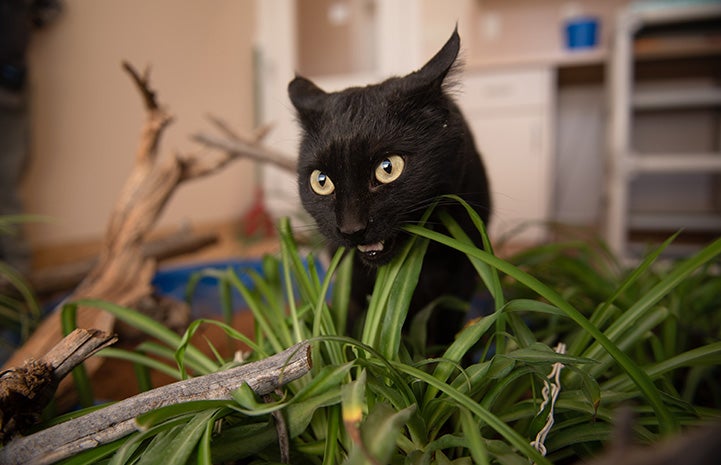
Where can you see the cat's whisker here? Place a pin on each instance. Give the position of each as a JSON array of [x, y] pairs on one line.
[[306, 227], [443, 202]]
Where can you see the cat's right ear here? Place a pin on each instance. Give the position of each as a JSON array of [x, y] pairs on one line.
[[305, 96]]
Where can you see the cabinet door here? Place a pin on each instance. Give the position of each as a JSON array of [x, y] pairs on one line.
[[514, 149]]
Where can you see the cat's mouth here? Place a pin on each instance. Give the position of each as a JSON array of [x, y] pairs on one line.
[[371, 250], [377, 253]]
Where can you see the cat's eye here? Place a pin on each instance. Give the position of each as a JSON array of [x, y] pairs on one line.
[[389, 169], [321, 183]]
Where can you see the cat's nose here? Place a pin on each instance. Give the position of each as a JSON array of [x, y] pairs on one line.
[[352, 230]]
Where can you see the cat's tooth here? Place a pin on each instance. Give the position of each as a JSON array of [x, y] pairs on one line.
[[371, 248]]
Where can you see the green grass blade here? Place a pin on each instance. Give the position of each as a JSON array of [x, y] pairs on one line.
[[259, 314], [322, 319], [580, 343], [488, 274], [320, 309], [679, 273], [162, 414], [541, 353], [80, 375], [270, 288], [466, 339], [152, 328], [332, 449], [399, 300], [353, 403], [130, 445], [380, 433], [140, 359], [708, 355], [204, 449], [289, 249], [23, 287], [632, 336], [378, 305], [474, 441], [245, 440], [340, 299], [183, 443], [666, 420], [484, 415], [287, 256], [184, 345]]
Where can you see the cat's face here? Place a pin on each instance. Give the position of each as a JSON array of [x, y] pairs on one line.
[[372, 159]]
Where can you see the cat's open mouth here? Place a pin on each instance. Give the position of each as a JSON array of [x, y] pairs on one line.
[[371, 249], [377, 253]]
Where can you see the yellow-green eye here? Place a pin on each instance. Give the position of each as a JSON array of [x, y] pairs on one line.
[[321, 183], [389, 169]]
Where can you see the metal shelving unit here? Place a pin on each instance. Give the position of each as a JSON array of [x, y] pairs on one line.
[[626, 99]]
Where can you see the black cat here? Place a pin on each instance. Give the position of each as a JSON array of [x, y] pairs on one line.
[[372, 159]]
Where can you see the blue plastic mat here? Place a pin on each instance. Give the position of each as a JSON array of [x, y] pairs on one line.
[[205, 297]]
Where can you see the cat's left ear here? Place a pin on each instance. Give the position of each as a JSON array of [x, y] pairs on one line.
[[305, 95], [435, 71]]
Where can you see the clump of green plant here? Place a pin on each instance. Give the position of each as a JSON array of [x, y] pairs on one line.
[[20, 310], [628, 335]]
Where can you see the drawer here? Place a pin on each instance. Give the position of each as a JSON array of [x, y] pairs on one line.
[[481, 90]]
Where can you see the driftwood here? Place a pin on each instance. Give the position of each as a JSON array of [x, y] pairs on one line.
[[118, 420], [123, 272], [67, 276], [238, 147], [27, 390]]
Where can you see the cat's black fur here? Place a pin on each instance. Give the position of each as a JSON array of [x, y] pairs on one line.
[[347, 134]]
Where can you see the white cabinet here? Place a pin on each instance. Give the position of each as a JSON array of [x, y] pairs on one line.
[[681, 178], [510, 114]]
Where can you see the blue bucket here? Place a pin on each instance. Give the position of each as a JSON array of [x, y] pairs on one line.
[[582, 32]]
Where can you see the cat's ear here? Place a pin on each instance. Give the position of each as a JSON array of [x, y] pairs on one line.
[[305, 96], [435, 71]]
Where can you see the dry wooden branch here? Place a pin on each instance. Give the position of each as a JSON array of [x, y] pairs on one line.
[[67, 276], [281, 429], [27, 390], [118, 420], [235, 145], [123, 273], [143, 85]]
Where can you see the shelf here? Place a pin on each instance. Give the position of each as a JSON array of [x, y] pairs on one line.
[[673, 163], [679, 98], [659, 52], [680, 45], [656, 13], [646, 49], [692, 222]]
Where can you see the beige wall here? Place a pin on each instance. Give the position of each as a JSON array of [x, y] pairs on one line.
[[87, 114], [325, 48], [499, 31], [528, 28]]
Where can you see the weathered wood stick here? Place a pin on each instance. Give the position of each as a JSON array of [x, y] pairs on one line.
[[117, 420], [63, 277], [75, 348], [26, 390], [243, 149]]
